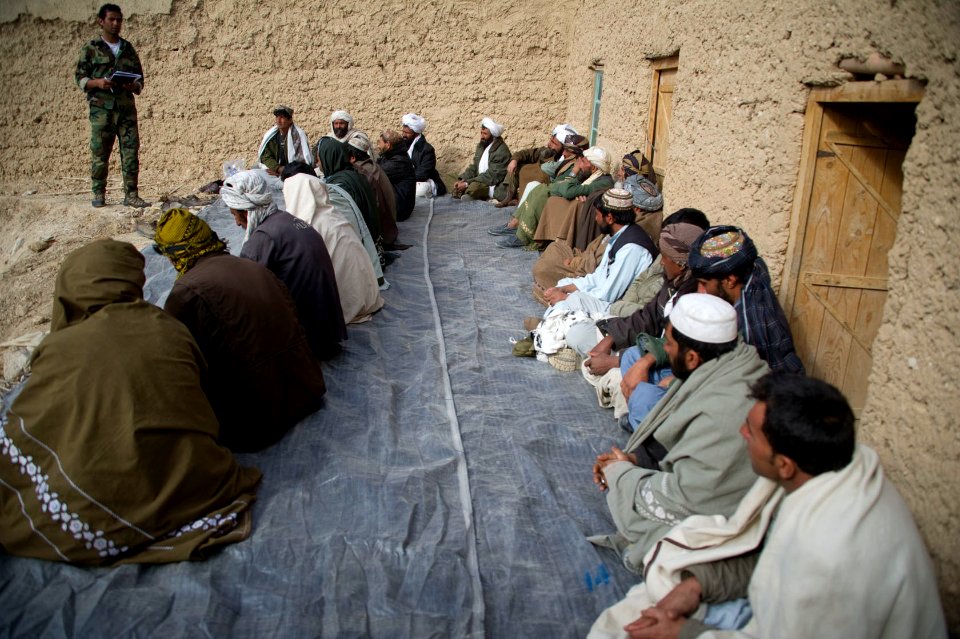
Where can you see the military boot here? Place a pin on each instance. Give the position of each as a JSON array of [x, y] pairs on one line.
[[99, 199], [134, 200]]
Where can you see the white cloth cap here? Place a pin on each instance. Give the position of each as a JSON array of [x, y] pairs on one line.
[[415, 122], [599, 158], [705, 318], [496, 130], [245, 191], [562, 132]]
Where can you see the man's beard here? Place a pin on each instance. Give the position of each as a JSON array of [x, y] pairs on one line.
[[486, 142], [606, 229], [340, 131], [679, 367]]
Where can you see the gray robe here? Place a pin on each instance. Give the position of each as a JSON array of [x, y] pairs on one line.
[[706, 469]]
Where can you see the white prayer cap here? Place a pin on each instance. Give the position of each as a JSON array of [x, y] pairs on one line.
[[341, 115], [705, 318], [496, 130], [599, 158], [562, 132], [360, 141], [245, 191], [414, 122]]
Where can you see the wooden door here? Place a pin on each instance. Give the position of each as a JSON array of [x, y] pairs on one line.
[[661, 109], [849, 215]]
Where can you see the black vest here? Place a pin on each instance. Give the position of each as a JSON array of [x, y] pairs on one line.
[[633, 234]]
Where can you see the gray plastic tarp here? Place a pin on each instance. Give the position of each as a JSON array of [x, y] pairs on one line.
[[444, 490]]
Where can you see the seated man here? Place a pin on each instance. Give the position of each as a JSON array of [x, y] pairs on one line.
[[263, 376], [591, 173], [293, 252], [429, 182], [114, 413], [358, 152], [528, 161], [602, 341], [307, 198], [725, 262], [343, 204], [285, 142], [483, 179], [398, 166], [535, 195], [560, 216], [686, 456], [835, 552], [629, 252], [341, 128], [338, 172]]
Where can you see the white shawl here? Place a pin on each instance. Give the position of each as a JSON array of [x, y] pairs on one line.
[[843, 558], [306, 198], [306, 155]]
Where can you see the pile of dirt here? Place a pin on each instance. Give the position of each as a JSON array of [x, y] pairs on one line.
[[38, 228]]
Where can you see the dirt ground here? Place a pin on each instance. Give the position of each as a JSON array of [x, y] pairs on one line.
[[40, 223]]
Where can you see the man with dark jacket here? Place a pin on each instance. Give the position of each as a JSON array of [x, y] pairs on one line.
[[398, 166], [429, 182], [483, 178]]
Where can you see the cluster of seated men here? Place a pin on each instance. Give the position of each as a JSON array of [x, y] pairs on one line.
[[740, 493]]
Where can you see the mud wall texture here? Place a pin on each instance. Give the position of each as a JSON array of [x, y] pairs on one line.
[[745, 71], [214, 72]]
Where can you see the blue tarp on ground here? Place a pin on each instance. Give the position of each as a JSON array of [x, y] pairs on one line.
[[443, 491]]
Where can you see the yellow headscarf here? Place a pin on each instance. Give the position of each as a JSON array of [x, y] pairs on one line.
[[184, 238]]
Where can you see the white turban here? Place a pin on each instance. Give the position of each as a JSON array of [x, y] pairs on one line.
[[342, 115], [414, 122], [562, 132], [599, 158], [248, 191], [705, 318], [245, 191], [496, 130]]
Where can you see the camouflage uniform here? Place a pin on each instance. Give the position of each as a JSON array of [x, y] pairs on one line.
[[113, 113]]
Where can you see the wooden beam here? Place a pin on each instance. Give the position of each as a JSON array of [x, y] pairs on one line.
[[871, 91]]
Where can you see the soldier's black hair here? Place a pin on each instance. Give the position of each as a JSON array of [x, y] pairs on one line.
[[107, 8]]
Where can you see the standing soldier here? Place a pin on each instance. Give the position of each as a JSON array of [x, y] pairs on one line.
[[109, 72]]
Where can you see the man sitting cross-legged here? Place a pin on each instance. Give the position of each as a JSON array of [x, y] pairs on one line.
[[686, 456], [483, 179], [822, 545]]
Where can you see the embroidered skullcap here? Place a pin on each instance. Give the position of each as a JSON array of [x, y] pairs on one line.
[[721, 250], [617, 200], [675, 241], [283, 109], [705, 318], [599, 158], [563, 132], [576, 144], [646, 195], [184, 238], [360, 141], [495, 129], [245, 191], [414, 122], [341, 115], [632, 162]]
